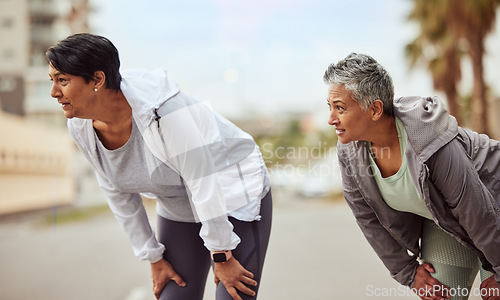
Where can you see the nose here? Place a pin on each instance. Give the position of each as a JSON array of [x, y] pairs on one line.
[[333, 119], [55, 92]]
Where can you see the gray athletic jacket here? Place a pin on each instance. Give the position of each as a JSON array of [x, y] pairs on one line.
[[457, 173]]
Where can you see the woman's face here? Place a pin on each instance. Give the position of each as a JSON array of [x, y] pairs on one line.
[[76, 96], [350, 121]]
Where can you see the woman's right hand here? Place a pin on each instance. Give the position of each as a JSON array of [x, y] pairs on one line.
[[162, 272], [428, 287], [490, 289], [234, 277]]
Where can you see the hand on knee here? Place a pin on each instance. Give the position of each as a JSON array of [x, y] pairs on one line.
[[490, 289], [234, 277], [426, 286]]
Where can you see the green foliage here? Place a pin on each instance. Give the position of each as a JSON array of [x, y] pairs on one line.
[[449, 31]]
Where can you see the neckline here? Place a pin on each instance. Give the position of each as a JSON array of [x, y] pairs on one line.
[[119, 149], [402, 147]]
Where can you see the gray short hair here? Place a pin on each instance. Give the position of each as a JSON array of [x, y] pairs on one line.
[[365, 78]]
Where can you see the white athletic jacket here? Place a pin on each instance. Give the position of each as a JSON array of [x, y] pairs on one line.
[[220, 164]]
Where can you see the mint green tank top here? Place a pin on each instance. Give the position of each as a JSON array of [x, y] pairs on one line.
[[399, 190]]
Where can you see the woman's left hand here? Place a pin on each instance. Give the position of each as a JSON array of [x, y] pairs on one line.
[[234, 277], [489, 289]]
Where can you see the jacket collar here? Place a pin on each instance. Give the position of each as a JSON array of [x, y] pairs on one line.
[[359, 167], [427, 123], [146, 91]]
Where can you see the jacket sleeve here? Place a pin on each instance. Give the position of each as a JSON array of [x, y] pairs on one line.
[[470, 202], [401, 264], [129, 210]]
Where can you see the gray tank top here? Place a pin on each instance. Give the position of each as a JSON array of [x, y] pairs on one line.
[[127, 169]]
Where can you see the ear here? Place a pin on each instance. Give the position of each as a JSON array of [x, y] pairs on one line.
[[99, 79], [377, 110]]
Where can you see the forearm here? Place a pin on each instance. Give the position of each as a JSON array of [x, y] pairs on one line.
[[132, 217], [218, 234], [395, 257]]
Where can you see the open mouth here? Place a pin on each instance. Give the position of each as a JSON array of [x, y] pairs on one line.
[[65, 105]]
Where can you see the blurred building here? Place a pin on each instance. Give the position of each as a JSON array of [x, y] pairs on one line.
[[36, 169], [27, 29], [35, 160]]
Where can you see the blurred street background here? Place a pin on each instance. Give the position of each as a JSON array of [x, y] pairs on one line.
[[259, 63], [316, 252]]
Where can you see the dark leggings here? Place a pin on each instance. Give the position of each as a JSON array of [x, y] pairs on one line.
[[191, 260]]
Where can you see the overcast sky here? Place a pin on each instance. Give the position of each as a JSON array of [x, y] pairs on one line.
[[264, 56]]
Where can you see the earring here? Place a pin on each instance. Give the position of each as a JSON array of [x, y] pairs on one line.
[[95, 90]]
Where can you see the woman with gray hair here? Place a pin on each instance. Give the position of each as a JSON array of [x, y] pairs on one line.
[[424, 191]]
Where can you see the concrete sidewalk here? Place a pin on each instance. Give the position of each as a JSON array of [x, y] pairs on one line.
[[316, 252]]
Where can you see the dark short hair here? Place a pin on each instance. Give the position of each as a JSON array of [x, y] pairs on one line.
[[83, 54]]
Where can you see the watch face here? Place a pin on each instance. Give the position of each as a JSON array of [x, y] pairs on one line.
[[219, 257]]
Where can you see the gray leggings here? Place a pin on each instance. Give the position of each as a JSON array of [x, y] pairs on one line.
[[191, 260], [456, 266]]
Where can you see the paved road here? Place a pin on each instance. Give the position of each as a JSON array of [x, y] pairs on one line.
[[316, 253]]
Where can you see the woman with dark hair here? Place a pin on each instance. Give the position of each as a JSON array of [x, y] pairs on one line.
[[424, 191], [142, 135]]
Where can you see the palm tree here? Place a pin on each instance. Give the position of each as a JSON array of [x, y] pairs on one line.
[[444, 25], [437, 48], [473, 20]]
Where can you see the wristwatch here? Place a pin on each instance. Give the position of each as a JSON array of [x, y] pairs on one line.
[[221, 256]]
